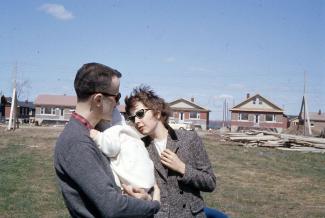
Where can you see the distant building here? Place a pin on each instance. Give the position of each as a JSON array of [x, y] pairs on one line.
[[293, 120], [188, 111], [257, 112], [54, 109], [25, 110], [317, 121], [57, 109]]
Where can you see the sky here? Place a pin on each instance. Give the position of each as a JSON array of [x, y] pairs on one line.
[[211, 50]]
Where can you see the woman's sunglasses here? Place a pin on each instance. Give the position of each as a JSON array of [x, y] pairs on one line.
[[139, 114]]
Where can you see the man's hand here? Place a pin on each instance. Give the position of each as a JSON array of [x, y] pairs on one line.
[[156, 193], [93, 133], [171, 160], [137, 192]]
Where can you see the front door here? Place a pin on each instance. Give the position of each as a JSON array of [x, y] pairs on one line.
[[257, 119], [181, 116]]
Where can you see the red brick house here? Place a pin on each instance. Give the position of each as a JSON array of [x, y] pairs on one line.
[[257, 112], [188, 111]]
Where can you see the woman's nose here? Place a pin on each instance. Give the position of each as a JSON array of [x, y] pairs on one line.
[[136, 120]]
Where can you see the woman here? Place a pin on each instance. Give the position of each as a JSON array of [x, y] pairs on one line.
[[182, 166]]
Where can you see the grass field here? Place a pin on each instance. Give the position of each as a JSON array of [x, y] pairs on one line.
[[252, 182]]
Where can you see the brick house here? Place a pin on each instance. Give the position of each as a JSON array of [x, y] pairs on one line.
[[25, 110], [257, 112], [188, 111], [317, 121], [54, 109]]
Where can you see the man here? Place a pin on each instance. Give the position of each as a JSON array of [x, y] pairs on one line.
[[85, 177]]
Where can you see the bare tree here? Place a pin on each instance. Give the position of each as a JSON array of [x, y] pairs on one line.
[[22, 87]]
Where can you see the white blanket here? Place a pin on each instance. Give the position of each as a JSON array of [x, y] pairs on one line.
[[130, 160]]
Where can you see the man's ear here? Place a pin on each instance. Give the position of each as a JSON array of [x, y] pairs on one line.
[[97, 100]]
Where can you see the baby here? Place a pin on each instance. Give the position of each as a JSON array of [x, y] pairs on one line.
[[130, 161]]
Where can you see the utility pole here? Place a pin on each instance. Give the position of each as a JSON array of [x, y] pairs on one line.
[[13, 109], [227, 114], [306, 112]]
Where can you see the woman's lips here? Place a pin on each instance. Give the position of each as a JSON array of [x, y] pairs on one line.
[[140, 128]]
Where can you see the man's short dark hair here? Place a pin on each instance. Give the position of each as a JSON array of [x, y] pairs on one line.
[[94, 78]]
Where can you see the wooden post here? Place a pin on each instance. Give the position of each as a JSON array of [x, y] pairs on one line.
[[13, 108], [13, 111]]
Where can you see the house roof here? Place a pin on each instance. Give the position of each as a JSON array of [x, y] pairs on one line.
[[62, 100], [314, 116], [245, 106], [186, 105], [56, 100], [25, 103]]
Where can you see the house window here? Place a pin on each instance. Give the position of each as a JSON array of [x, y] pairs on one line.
[[270, 117], [47, 110], [62, 110], [243, 116], [194, 115]]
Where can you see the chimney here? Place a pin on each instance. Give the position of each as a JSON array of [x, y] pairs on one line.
[[319, 112], [247, 95], [192, 99]]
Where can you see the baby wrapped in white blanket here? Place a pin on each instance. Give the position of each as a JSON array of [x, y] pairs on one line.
[[130, 161]]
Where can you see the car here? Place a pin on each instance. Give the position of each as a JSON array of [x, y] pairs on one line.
[[185, 125]]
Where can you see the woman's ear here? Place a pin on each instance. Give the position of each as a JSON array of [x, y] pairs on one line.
[[158, 115]]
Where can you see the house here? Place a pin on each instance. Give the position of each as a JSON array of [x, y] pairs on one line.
[[188, 111], [57, 109], [25, 110], [317, 121], [54, 109], [293, 120], [257, 112]]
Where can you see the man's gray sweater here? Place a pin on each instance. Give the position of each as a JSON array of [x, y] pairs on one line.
[[86, 179]]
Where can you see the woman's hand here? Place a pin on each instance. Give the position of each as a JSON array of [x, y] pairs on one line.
[[171, 160]]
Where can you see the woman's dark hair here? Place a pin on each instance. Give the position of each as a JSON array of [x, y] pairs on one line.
[[94, 78], [147, 96]]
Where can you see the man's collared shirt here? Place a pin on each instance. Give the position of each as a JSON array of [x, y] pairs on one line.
[[82, 120]]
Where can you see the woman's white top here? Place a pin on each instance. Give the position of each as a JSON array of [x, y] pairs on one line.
[[130, 161], [160, 145]]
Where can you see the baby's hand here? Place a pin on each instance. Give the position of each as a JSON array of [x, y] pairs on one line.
[[93, 133]]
